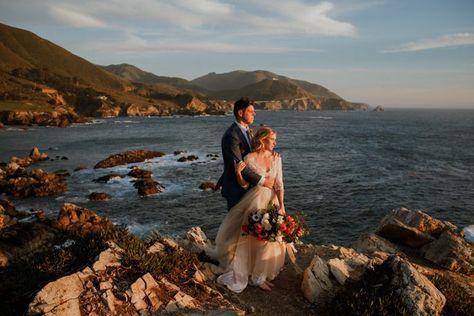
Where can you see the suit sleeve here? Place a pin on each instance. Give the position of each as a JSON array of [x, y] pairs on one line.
[[231, 148]]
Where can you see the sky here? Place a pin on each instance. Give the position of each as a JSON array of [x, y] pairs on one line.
[[394, 53]]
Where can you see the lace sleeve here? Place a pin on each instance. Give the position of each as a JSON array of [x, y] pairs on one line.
[[279, 175], [251, 163]]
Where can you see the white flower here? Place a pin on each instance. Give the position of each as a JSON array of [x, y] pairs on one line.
[[256, 216], [280, 219], [266, 224], [266, 216], [279, 238]]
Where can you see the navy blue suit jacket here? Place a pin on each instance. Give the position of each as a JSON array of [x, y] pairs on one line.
[[234, 149]]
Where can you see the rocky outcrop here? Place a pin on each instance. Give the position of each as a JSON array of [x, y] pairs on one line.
[[127, 157], [148, 186], [188, 158], [439, 241], [58, 118], [109, 177], [193, 107], [142, 110], [207, 185], [378, 108], [140, 173], [417, 293], [37, 183], [81, 221]]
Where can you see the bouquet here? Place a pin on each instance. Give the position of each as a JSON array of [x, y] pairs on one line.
[[267, 224]]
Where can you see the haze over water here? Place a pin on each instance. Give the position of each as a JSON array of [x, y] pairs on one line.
[[344, 170]]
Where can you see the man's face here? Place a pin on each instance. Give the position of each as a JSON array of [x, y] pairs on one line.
[[247, 115]]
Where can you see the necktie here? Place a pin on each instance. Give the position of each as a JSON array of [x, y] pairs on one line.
[[249, 136]]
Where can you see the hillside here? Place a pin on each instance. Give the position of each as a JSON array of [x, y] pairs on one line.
[[20, 49], [274, 91]]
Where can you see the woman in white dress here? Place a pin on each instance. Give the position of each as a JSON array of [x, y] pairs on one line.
[[244, 258]]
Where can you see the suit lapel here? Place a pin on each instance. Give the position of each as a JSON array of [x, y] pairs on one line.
[[242, 137]]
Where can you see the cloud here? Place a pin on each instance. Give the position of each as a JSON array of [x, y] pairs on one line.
[[440, 42], [75, 18], [136, 44]]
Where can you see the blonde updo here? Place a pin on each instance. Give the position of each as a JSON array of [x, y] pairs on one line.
[[260, 135]]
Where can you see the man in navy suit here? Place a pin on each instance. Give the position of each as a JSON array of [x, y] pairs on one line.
[[236, 144]]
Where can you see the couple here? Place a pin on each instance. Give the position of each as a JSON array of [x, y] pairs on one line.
[[252, 178]]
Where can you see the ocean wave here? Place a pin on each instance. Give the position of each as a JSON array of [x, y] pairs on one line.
[[469, 233], [126, 122], [321, 117]]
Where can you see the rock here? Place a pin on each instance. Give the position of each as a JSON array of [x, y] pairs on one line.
[[208, 185], [339, 269], [109, 177], [99, 196], [37, 184], [142, 110], [370, 243], [107, 258], [127, 157], [81, 221], [451, 252], [140, 173], [316, 283], [21, 161], [148, 187], [156, 247], [36, 155], [396, 231], [188, 158], [60, 297], [179, 152], [418, 294], [379, 108]]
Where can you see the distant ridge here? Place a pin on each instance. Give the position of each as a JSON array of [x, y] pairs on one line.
[[23, 49]]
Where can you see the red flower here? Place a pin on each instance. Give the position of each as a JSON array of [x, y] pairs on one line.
[[245, 229], [258, 228]]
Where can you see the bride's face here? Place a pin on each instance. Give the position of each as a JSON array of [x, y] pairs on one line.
[[269, 142]]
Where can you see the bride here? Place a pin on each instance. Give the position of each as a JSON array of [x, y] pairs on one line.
[[244, 258]]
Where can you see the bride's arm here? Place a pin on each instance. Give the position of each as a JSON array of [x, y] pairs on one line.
[[279, 189]]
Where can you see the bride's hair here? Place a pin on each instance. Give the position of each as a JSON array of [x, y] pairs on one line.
[[260, 135]]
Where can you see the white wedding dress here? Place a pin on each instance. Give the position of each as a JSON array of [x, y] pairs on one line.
[[244, 258]]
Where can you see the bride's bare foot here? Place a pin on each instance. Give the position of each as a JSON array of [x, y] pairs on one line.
[[264, 286], [270, 284]]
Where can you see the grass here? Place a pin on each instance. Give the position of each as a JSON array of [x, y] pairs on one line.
[[24, 106], [458, 301]]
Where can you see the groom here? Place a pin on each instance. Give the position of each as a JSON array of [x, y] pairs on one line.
[[236, 144]]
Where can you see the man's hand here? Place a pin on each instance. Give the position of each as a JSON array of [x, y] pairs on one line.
[[269, 182]]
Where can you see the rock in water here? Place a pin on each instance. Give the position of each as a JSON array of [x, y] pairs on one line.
[[127, 157]]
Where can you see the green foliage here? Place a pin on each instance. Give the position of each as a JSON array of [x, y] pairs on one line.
[[458, 300], [373, 295]]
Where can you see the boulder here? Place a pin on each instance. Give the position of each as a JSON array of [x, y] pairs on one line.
[[99, 196], [36, 155], [398, 232], [316, 283], [207, 185], [451, 252], [108, 258], [417, 293], [370, 243], [148, 187], [131, 156], [140, 173], [81, 221], [60, 297]]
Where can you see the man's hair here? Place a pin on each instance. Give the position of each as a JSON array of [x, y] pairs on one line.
[[241, 104]]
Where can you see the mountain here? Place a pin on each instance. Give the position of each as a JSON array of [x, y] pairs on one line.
[[173, 84], [20, 49], [273, 91]]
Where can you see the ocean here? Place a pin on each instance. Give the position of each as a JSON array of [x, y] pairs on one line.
[[343, 170]]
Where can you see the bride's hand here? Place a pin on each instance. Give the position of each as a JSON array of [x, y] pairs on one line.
[[282, 210], [240, 166]]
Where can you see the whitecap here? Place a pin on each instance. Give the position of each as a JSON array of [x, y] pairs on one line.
[[469, 233], [140, 229]]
